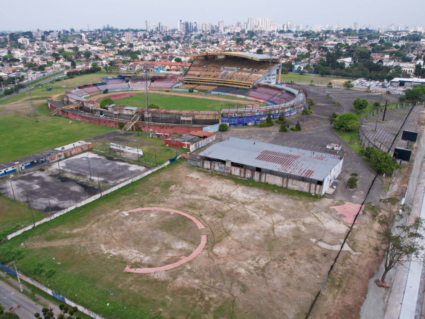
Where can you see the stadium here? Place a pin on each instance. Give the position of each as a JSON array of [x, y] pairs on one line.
[[243, 84]]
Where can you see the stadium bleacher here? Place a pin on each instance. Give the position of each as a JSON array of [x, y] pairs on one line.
[[91, 90], [114, 81], [121, 86], [235, 72], [229, 90], [138, 84], [79, 92], [163, 83]]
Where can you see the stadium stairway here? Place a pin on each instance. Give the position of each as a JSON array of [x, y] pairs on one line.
[[66, 107], [133, 121]]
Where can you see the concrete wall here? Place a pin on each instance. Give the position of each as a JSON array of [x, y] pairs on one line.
[[271, 179]]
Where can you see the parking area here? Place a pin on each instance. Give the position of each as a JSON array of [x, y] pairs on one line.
[[66, 183]]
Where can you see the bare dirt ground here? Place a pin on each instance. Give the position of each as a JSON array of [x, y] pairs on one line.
[[259, 261]]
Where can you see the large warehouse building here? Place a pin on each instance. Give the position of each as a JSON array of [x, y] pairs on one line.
[[283, 166]]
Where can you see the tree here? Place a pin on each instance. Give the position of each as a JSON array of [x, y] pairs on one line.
[[177, 60], [333, 117], [87, 54], [73, 64], [269, 119], [418, 70], [138, 129], [121, 125], [348, 85], [106, 101], [346, 122], [359, 105], [105, 91], [298, 126], [223, 127], [259, 51], [1, 309], [400, 243]]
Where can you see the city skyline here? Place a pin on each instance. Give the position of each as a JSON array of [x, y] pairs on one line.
[[133, 14]]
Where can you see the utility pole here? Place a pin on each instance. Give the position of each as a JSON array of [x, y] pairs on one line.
[[11, 185], [385, 111], [17, 275]]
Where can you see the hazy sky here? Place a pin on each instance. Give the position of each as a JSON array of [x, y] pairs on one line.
[[57, 14]]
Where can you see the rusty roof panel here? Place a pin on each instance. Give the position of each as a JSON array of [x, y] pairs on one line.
[[278, 158]]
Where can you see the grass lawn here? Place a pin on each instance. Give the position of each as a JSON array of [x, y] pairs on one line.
[[40, 91], [99, 289], [154, 152], [20, 136], [317, 79], [15, 215], [173, 102]]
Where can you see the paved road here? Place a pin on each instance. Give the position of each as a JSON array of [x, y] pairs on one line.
[[60, 74], [9, 297], [379, 302]]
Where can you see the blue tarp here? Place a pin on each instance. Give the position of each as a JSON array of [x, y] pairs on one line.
[[172, 159], [7, 269]]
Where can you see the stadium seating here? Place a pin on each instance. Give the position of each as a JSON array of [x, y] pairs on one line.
[[114, 81], [138, 84], [163, 84], [121, 86], [91, 90], [79, 92], [227, 71], [120, 96]]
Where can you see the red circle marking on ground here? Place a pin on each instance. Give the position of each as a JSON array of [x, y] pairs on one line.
[[184, 260]]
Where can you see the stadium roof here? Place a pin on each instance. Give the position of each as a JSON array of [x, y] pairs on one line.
[[417, 80], [293, 161], [251, 56]]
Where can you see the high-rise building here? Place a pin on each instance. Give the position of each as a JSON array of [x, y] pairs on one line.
[[147, 26], [128, 37], [221, 25]]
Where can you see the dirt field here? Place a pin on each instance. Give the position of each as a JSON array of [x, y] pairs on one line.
[[264, 257]]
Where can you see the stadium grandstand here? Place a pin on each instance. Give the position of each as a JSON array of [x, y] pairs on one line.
[[231, 69], [161, 83]]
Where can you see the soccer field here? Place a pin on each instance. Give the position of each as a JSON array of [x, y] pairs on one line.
[[175, 102], [23, 136]]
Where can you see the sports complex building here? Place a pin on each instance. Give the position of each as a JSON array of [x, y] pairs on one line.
[[244, 75]]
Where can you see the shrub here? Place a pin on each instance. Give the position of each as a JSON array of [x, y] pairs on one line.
[[327, 96], [388, 92], [294, 129], [154, 106], [402, 98], [329, 84], [348, 85], [65, 309], [376, 104], [121, 125], [352, 182], [311, 102], [71, 311], [61, 316], [346, 122], [283, 128], [265, 124], [75, 309], [337, 103], [37, 315], [306, 112], [191, 90], [61, 306], [44, 310], [105, 91], [223, 127]]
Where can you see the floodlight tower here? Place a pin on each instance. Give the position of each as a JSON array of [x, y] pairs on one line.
[[146, 76]]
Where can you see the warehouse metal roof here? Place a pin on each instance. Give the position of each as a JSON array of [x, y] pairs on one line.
[[313, 165], [246, 55]]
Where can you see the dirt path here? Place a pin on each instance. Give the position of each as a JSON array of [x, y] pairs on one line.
[[249, 103]]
